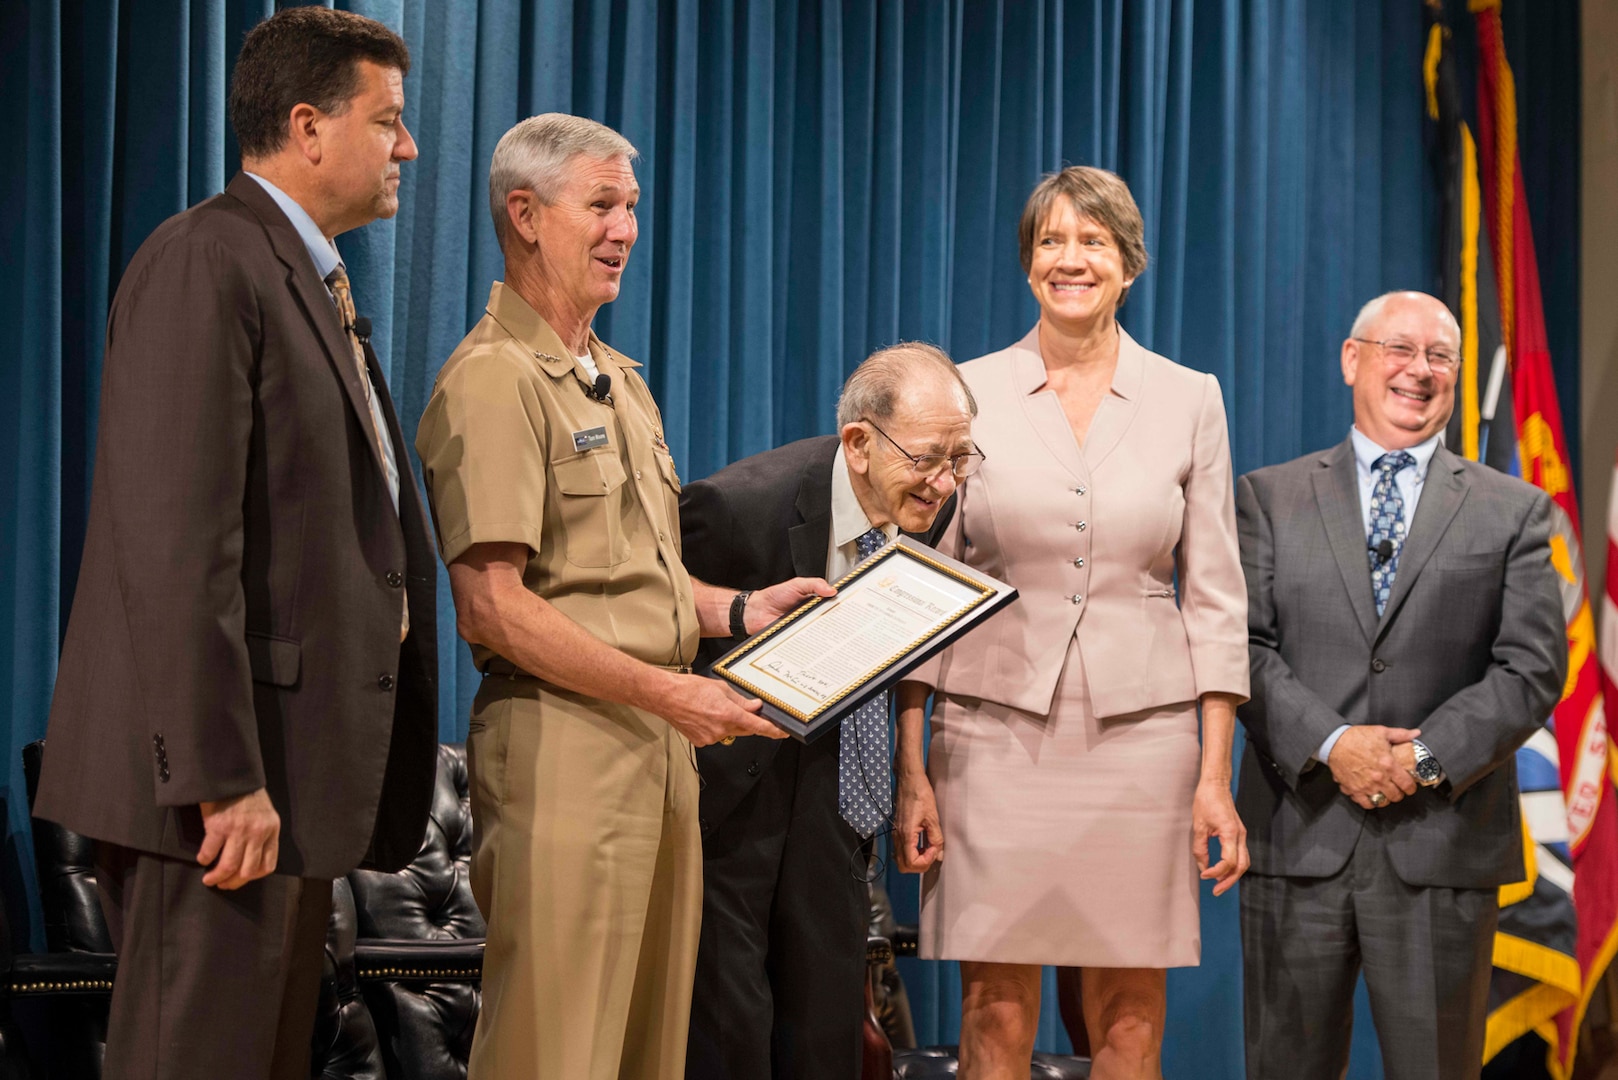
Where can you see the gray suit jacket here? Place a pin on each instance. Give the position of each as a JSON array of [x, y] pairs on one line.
[[1471, 649]]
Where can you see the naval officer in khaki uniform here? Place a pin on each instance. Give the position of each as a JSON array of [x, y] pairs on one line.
[[556, 504]]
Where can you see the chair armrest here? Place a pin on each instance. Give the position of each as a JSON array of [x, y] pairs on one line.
[[405, 960], [36, 974]]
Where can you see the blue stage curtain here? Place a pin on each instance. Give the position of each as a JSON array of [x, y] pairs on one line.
[[819, 179]]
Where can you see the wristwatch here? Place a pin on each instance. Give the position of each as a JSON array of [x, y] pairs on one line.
[[1428, 772], [738, 613]]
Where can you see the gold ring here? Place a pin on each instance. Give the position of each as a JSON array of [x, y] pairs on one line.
[[728, 739], [1377, 798]]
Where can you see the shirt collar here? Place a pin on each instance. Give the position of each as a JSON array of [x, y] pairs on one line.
[[507, 307], [848, 520], [1029, 365], [321, 250], [1366, 452]]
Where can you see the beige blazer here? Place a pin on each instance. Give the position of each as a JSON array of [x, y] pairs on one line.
[[1092, 539]]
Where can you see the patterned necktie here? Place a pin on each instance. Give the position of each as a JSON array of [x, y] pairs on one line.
[[337, 282], [864, 793], [1387, 524], [343, 293]]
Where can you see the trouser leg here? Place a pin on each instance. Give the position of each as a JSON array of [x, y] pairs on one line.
[[1428, 953], [1300, 959], [210, 982]]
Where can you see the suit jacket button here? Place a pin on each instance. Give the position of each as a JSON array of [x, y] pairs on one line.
[[752, 768], [1378, 666], [163, 774], [385, 681], [702, 823], [395, 578]]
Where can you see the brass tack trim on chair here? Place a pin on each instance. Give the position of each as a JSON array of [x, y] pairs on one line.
[[420, 973], [54, 987]]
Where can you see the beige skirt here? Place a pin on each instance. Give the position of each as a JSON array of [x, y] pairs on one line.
[[1067, 839]]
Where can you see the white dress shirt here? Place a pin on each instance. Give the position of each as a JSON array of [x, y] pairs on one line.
[[848, 521]]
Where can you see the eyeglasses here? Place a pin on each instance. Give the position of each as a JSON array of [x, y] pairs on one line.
[[929, 465], [1402, 353]]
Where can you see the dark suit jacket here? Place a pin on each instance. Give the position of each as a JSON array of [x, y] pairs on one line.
[[236, 623], [1471, 648], [759, 521]]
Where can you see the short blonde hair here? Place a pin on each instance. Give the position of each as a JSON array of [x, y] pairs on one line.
[[1097, 194]]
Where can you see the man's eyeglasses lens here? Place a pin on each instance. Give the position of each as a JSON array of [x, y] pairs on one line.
[[962, 465], [1403, 352]]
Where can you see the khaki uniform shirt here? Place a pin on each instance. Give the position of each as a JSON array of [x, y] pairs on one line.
[[513, 450]]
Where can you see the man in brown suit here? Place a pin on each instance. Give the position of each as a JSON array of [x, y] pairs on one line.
[[245, 707]]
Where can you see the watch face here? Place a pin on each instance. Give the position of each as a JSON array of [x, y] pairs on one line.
[[1427, 770]]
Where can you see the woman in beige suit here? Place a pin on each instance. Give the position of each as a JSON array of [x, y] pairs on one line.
[[1065, 809]]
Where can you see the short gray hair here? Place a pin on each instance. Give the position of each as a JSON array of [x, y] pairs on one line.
[[1371, 313], [535, 153], [872, 391]]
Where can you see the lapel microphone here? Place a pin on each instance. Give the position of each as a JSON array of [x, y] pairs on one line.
[[602, 391], [1384, 551], [362, 329]]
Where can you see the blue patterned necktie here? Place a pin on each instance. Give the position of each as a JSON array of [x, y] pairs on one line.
[[1387, 523], [864, 794]]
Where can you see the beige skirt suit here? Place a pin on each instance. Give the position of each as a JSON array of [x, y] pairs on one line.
[[1065, 749]]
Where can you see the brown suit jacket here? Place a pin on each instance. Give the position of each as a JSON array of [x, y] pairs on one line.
[[236, 622]]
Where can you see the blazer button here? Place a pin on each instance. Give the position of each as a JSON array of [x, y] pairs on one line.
[[1077, 599], [752, 768], [1079, 563], [395, 578], [385, 681], [163, 773], [1081, 526], [1080, 490], [1378, 666]]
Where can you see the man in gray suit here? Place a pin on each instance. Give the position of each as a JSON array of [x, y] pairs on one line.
[[1406, 637]]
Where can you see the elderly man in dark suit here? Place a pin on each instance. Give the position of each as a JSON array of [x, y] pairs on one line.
[[1406, 636], [786, 826], [245, 707]]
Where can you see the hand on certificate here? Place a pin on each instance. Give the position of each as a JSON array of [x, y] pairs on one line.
[[707, 711], [918, 838], [767, 605]]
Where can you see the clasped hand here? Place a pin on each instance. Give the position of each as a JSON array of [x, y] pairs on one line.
[[1369, 759]]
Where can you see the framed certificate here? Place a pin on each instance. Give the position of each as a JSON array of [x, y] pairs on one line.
[[892, 612]]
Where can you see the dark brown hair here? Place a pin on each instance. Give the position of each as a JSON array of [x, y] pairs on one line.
[[303, 55], [1097, 194]]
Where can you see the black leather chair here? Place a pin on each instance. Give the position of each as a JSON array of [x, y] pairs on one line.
[[345, 1044], [420, 945]]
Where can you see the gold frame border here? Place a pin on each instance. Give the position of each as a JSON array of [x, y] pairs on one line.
[[723, 667]]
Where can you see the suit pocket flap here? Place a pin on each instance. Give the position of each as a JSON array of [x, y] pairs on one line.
[[274, 660], [594, 473]]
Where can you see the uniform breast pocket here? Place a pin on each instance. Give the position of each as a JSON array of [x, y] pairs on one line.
[[589, 498]]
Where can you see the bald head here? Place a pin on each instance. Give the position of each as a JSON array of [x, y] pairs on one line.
[[874, 390], [902, 403], [1401, 397]]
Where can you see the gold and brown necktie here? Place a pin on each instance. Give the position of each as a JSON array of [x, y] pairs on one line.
[[337, 282]]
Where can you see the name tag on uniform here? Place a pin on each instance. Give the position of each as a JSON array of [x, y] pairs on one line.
[[590, 438]]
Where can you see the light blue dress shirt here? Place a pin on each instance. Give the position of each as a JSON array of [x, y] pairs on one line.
[[324, 254], [1409, 482]]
